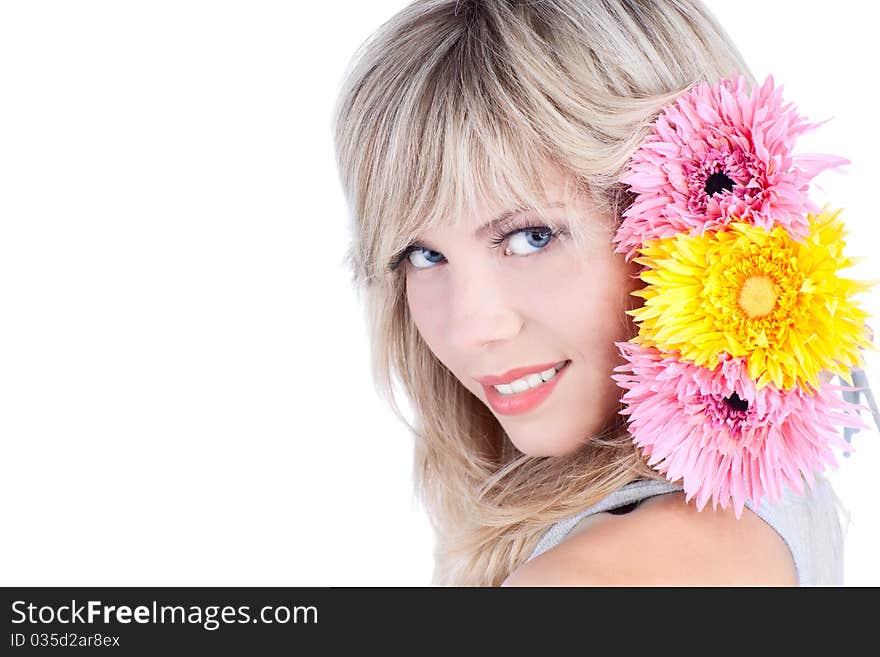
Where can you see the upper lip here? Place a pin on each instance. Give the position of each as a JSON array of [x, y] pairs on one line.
[[516, 373]]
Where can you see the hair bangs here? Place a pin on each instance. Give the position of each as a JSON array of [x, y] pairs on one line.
[[456, 155]]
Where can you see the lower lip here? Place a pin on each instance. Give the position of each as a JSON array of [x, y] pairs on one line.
[[522, 402]]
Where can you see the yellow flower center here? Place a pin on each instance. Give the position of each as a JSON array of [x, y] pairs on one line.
[[757, 296]]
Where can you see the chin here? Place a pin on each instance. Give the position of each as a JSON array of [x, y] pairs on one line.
[[540, 446]]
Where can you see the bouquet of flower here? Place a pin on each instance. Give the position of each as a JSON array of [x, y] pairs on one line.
[[745, 316]]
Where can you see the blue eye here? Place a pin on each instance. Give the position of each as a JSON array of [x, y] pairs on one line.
[[418, 250], [541, 235], [532, 237]]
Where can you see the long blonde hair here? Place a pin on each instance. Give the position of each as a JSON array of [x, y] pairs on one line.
[[451, 101]]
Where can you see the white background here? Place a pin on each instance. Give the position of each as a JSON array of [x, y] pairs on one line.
[[185, 396]]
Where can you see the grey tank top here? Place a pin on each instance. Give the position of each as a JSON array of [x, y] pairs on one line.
[[808, 524]]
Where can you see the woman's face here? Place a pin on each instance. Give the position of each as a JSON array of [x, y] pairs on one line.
[[532, 302]]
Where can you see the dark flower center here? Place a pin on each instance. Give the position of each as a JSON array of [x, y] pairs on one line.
[[718, 182], [737, 404]]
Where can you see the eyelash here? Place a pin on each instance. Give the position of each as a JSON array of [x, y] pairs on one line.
[[496, 241]]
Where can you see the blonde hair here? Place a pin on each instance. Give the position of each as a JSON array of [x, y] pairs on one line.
[[451, 101]]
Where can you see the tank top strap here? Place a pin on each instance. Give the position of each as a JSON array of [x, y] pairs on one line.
[[809, 526], [634, 491]]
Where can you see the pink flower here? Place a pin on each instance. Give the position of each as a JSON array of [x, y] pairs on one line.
[[724, 438], [716, 154]]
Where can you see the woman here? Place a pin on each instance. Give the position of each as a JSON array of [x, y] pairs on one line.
[[480, 146]]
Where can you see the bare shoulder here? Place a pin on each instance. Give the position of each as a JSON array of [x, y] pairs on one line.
[[666, 542]]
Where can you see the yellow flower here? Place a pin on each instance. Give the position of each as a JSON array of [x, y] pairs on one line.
[[759, 294]]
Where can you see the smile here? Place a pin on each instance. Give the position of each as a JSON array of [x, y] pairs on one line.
[[526, 393], [528, 382]]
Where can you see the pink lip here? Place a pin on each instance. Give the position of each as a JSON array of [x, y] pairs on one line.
[[521, 402]]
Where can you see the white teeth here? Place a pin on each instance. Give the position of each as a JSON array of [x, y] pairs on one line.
[[546, 375], [530, 381]]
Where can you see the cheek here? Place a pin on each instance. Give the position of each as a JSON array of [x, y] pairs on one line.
[[431, 319], [427, 315], [593, 309]]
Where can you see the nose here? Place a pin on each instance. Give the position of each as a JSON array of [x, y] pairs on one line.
[[481, 310]]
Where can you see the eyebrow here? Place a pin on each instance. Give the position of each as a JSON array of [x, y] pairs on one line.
[[507, 215]]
